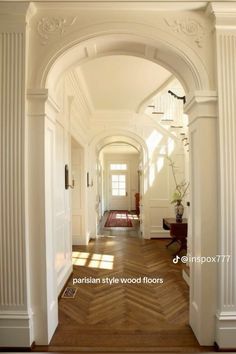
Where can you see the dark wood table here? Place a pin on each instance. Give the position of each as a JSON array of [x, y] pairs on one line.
[[178, 232]]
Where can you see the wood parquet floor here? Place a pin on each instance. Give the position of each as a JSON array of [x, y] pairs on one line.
[[125, 317]]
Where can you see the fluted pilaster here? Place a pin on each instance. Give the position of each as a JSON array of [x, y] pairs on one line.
[[224, 16], [12, 227], [226, 44], [15, 318]]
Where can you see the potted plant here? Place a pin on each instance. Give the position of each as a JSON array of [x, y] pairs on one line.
[[179, 193]]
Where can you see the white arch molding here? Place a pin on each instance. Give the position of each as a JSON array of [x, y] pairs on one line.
[[187, 66], [125, 38], [108, 136]]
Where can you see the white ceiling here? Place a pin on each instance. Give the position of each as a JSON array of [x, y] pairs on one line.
[[119, 148], [120, 82]]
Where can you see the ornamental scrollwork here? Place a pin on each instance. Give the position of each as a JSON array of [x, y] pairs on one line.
[[189, 27], [48, 26]]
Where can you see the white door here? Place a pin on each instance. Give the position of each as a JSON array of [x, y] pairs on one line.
[[118, 188]]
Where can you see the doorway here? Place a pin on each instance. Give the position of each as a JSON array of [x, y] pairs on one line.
[[197, 297], [119, 179], [78, 194], [119, 188]]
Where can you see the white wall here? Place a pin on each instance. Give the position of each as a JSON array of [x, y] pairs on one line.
[[70, 214], [159, 185]]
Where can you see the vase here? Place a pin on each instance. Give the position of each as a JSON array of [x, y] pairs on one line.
[[179, 211]]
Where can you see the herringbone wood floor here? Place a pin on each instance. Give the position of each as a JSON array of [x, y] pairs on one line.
[[125, 317]]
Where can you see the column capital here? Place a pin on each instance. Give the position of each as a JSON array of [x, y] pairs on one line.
[[201, 104], [39, 102], [223, 13], [15, 15]]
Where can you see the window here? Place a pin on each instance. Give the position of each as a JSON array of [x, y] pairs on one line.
[[118, 166], [118, 185]]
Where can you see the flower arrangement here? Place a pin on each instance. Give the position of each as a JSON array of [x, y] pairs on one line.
[[180, 188]]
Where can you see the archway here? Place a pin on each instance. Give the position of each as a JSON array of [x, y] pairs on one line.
[[136, 144], [189, 69], [133, 39]]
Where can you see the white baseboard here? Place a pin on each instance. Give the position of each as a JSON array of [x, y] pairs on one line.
[[158, 232], [15, 329], [226, 330], [160, 236], [63, 278], [78, 240]]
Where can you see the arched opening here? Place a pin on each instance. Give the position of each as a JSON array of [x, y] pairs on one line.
[[189, 70], [119, 185], [141, 42], [129, 148]]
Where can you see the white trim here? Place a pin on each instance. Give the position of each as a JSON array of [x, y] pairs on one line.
[[64, 277], [167, 5], [16, 329], [225, 330]]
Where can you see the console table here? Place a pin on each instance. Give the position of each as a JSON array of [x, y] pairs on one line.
[[178, 232]]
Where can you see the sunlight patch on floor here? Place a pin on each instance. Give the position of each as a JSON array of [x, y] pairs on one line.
[[93, 260], [124, 216], [133, 216], [121, 216]]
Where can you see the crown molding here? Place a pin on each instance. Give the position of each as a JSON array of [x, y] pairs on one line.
[[167, 5], [223, 14]]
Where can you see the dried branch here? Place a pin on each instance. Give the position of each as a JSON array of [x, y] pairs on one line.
[[180, 188]]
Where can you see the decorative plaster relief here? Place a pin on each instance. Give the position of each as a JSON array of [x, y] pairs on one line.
[[189, 27], [48, 26]]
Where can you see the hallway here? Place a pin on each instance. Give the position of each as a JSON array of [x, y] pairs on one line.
[[106, 317], [79, 78]]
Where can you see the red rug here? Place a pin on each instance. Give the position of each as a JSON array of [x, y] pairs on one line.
[[118, 218]]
